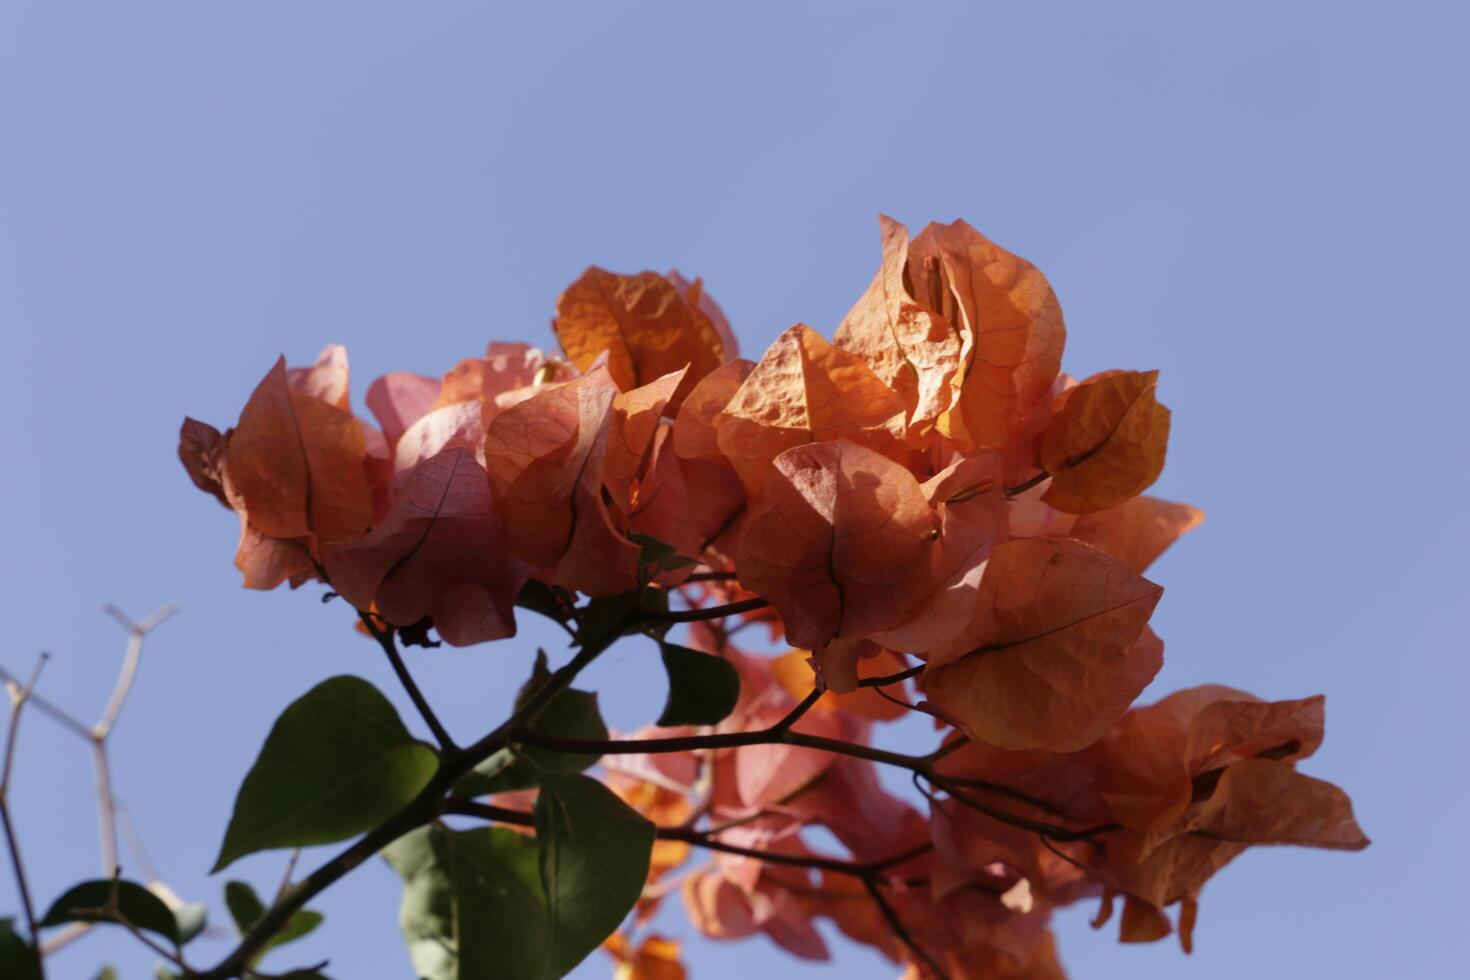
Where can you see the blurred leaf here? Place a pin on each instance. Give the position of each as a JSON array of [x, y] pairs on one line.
[[17, 959], [336, 764], [191, 920], [244, 905], [108, 972], [105, 900], [594, 855], [488, 877], [703, 688], [246, 909]]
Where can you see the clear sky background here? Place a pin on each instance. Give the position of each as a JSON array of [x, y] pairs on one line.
[[1266, 201]]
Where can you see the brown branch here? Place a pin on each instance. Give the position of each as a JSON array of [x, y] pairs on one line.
[[709, 841], [422, 809], [780, 733]]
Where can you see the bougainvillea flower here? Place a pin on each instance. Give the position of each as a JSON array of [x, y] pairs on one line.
[[912, 349], [1010, 326]]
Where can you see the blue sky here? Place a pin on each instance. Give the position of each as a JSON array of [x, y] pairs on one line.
[[1265, 201]]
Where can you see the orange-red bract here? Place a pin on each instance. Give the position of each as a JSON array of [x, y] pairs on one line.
[[642, 323], [1010, 326], [440, 553], [1055, 651], [838, 542], [1107, 442], [297, 464]]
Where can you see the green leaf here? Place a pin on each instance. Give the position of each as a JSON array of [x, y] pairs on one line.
[[540, 598], [191, 920], [246, 909], [571, 714], [594, 861], [657, 556], [108, 972], [245, 906], [336, 764], [703, 688], [17, 958], [473, 908], [106, 900]]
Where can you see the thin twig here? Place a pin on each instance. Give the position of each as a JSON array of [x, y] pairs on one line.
[[712, 612], [1021, 488], [386, 640], [106, 810], [900, 930], [52, 711], [290, 870], [710, 577], [18, 697], [125, 677]]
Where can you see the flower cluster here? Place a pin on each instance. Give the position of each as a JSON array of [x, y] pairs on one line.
[[926, 500]]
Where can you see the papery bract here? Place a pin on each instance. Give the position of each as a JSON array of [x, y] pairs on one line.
[[838, 543], [440, 553], [1010, 325], [1053, 655], [912, 349], [804, 390], [1107, 442], [642, 323], [297, 464]]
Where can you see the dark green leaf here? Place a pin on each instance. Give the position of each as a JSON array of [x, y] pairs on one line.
[[604, 618], [594, 861], [473, 908], [17, 958], [337, 763], [540, 598], [246, 909], [703, 688], [113, 901], [571, 714], [191, 920]]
